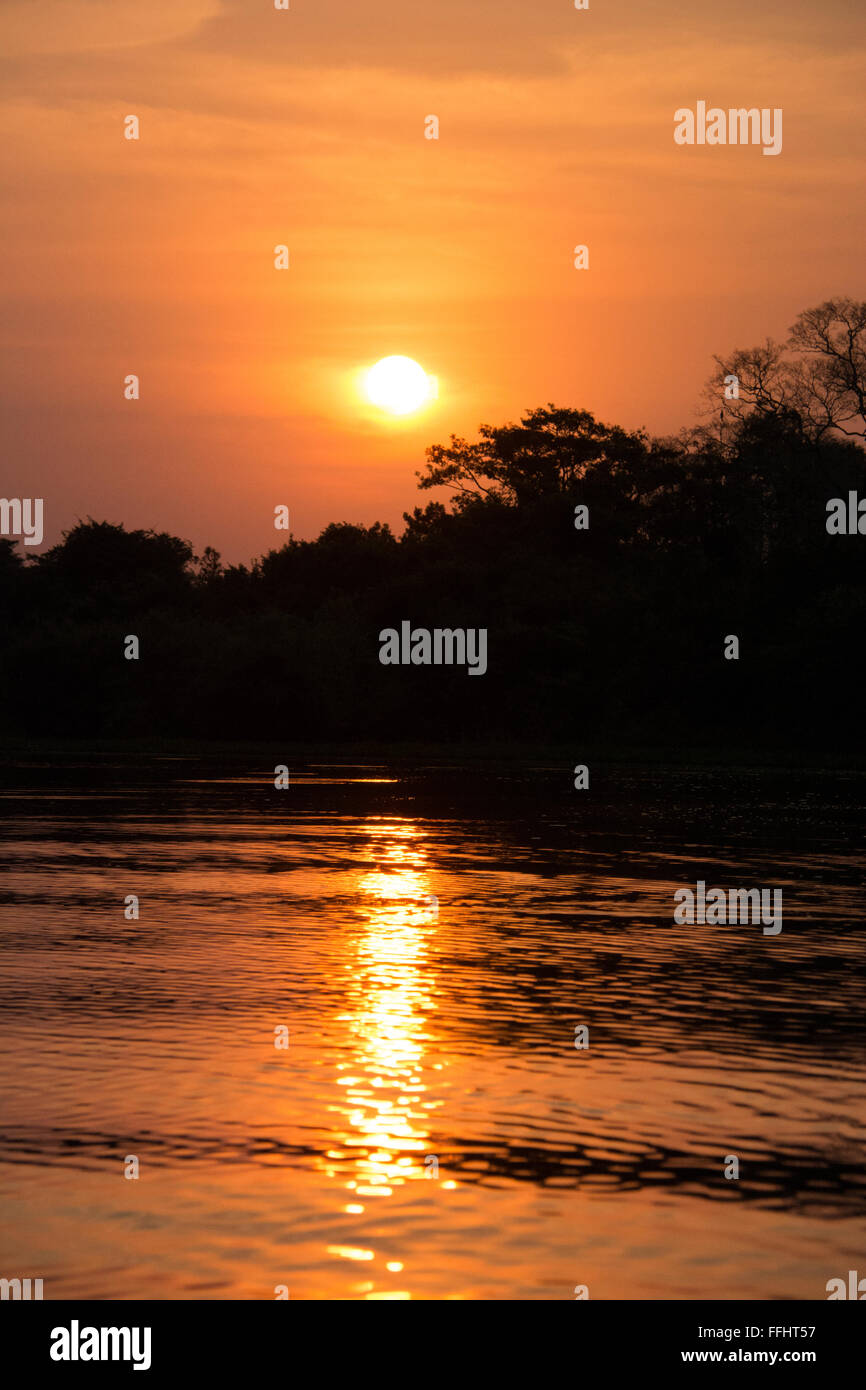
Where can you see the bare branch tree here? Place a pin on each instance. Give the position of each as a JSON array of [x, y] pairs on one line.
[[818, 376]]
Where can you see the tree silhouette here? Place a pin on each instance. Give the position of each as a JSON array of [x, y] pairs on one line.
[[550, 451], [817, 378]]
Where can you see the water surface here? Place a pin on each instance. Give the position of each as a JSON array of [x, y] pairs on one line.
[[430, 937]]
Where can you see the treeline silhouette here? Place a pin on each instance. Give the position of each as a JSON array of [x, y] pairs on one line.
[[615, 632]]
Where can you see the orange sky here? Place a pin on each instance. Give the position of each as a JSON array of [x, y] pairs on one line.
[[306, 127]]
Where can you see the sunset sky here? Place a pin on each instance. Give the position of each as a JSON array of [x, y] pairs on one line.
[[306, 127]]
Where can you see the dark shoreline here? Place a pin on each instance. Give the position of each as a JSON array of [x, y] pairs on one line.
[[463, 754]]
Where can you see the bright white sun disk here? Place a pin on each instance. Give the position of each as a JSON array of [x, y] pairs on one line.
[[398, 384]]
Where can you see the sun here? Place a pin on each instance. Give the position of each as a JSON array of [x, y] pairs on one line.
[[398, 385]]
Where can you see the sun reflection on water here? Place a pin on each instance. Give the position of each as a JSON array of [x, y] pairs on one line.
[[384, 1116]]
